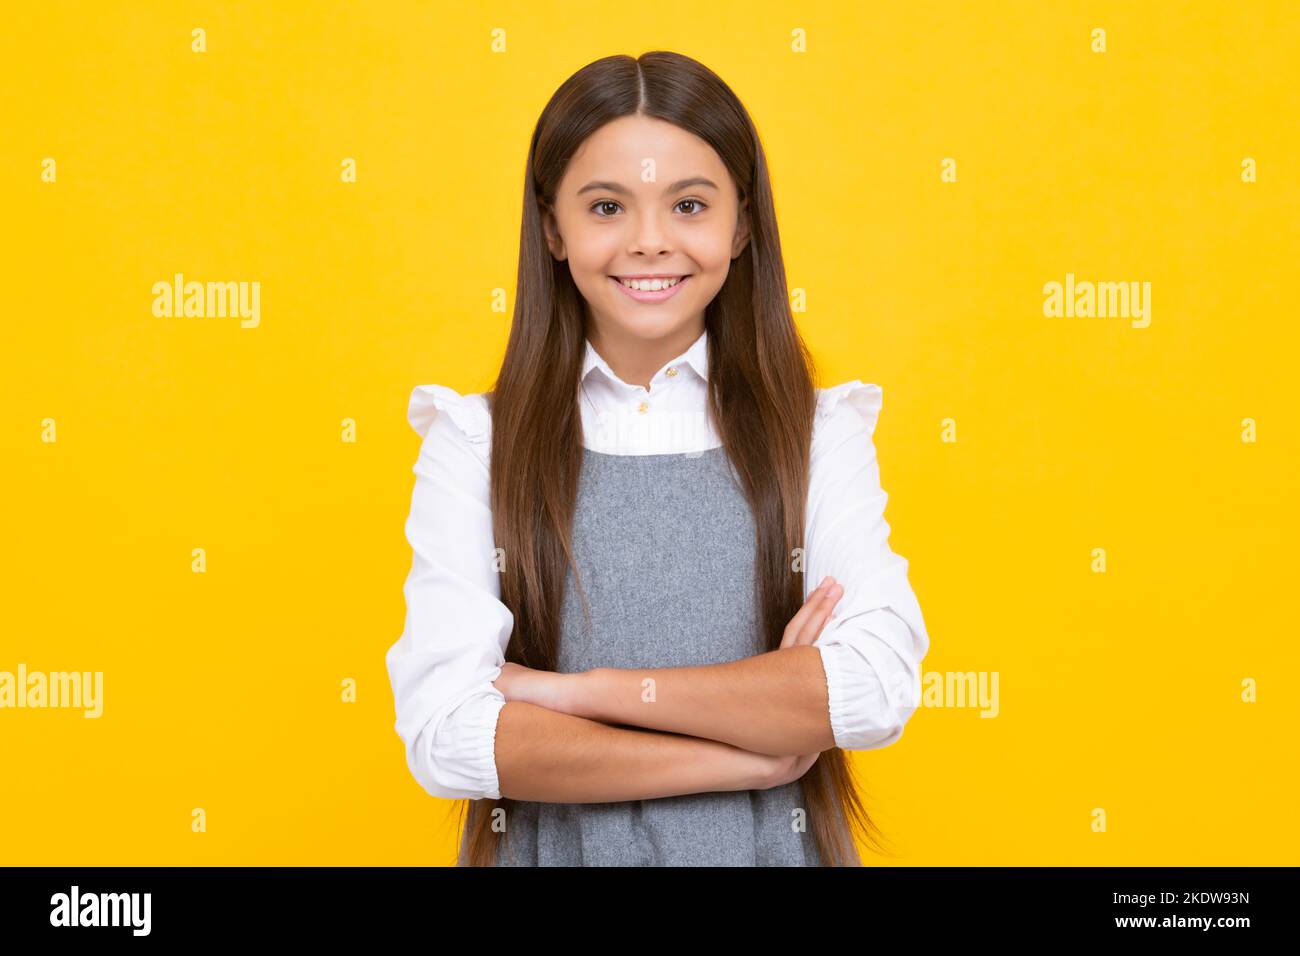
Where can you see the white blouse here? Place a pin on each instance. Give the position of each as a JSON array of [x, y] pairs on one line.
[[457, 629]]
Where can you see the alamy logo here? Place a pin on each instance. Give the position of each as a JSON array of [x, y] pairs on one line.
[[72, 689], [102, 909], [978, 689], [200, 300], [1085, 300]]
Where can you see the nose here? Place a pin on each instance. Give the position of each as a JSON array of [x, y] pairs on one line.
[[649, 235]]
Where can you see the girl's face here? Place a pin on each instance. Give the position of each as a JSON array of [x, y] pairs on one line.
[[642, 197]]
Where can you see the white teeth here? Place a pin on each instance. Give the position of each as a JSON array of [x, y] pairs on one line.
[[649, 285]]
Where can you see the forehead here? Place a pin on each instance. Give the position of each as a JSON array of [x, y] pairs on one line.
[[619, 150]]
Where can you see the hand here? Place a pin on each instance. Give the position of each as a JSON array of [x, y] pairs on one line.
[[543, 688], [808, 621], [804, 628]]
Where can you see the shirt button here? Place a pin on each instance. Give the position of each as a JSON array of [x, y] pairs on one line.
[[671, 372], [643, 407]]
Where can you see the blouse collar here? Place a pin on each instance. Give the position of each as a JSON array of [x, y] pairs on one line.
[[697, 357]]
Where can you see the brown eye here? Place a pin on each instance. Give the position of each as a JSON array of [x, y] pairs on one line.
[[694, 202], [601, 204]]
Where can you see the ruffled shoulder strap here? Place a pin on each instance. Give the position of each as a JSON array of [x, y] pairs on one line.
[[863, 398], [469, 413]]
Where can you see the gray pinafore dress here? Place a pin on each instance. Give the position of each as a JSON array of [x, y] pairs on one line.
[[665, 544]]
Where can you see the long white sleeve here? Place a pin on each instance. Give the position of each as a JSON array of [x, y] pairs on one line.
[[873, 645], [457, 630]]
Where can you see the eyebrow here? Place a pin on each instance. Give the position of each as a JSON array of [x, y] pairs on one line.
[[623, 190]]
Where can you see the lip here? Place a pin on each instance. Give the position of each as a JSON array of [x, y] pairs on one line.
[[660, 296]]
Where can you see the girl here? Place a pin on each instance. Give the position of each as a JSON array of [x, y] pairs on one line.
[[652, 599]]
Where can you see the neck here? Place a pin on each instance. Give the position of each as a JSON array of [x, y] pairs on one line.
[[635, 360]]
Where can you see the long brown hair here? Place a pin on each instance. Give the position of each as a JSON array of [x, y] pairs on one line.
[[761, 397]]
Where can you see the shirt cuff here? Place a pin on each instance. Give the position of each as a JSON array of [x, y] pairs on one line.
[[462, 756], [863, 716]]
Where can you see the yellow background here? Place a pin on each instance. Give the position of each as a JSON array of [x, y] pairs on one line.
[[1119, 691]]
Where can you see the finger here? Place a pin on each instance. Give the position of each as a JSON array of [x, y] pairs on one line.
[[805, 624], [812, 628], [796, 623]]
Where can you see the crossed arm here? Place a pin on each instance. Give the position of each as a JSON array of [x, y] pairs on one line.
[[773, 703]]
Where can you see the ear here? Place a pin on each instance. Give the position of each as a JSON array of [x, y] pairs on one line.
[[742, 229], [550, 228]]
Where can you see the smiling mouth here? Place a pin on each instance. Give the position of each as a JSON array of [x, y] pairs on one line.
[[650, 294]]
